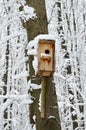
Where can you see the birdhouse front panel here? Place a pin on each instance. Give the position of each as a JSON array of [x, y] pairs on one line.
[[46, 50]]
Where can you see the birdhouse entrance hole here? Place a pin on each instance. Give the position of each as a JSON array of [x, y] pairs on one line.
[[47, 51]]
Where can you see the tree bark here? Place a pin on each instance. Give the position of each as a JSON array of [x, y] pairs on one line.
[[51, 120]]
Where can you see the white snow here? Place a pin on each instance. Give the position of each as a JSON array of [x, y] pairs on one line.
[[33, 44], [70, 88], [14, 97]]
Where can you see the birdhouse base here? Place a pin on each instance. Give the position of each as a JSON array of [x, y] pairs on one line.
[[45, 73]]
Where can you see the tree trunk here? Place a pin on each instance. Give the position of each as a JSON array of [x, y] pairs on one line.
[[51, 120]]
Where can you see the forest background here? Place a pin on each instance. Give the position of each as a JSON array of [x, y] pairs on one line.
[[20, 22]]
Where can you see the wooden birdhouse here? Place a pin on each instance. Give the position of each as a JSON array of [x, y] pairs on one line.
[[46, 57]]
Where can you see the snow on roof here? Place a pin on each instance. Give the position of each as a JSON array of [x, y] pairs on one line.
[[45, 36], [33, 44]]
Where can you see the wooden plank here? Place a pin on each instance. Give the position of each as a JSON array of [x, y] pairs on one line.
[[43, 98]]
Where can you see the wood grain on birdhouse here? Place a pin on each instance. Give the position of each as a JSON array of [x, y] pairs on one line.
[[46, 57]]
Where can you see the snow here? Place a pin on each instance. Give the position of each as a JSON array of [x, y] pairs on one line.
[[33, 44], [35, 86], [29, 13], [14, 97], [45, 36], [50, 117], [45, 55], [70, 88]]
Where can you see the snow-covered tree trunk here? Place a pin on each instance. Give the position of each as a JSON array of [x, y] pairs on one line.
[[69, 28], [51, 120], [14, 98]]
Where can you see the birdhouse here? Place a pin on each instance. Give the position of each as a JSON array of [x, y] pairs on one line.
[[46, 57]]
